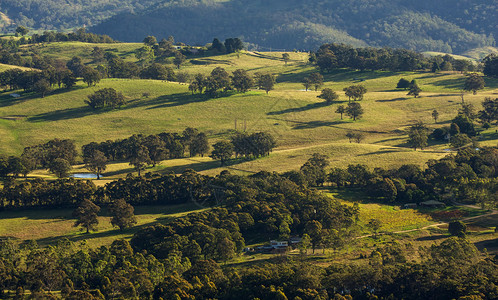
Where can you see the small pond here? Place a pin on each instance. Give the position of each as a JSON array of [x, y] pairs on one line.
[[84, 176]]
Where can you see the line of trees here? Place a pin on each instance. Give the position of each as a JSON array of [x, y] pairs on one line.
[[220, 81], [333, 56]]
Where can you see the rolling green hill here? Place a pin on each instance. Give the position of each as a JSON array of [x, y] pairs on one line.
[[424, 25], [300, 121]]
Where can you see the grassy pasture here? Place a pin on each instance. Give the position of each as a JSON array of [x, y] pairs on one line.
[[299, 120], [49, 225]]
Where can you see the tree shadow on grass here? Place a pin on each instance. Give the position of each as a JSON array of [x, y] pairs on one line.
[[171, 100], [315, 124], [66, 114], [450, 83], [83, 111], [395, 99], [432, 237], [385, 151], [299, 109], [102, 234]]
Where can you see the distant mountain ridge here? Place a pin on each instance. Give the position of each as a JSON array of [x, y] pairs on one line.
[[425, 25]]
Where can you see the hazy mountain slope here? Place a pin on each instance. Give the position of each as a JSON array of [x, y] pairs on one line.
[[444, 25], [306, 24]]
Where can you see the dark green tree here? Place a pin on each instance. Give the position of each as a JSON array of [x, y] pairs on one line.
[[316, 80], [286, 57], [340, 110], [489, 114], [150, 41], [43, 87], [107, 97], [414, 89], [265, 82], [457, 228], [96, 162], [179, 59], [21, 30], [86, 215], [491, 65], [403, 84], [60, 167], [354, 110], [329, 96], [418, 135], [222, 150], [90, 76], [242, 81], [140, 158], [199, 145], [435, 115], [122, 214], [473, 83]]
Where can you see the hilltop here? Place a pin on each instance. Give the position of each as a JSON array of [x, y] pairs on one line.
[[296, 24]]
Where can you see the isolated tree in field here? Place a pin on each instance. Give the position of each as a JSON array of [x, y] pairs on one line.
[[90, 76], [473, 83], [435, 115], [140, 158], [86, 215], [21, 30], [222, 150], [414, 89], [286, 57], [328, 95], [355, 91], [340, 110], [122, 214], [266, 82], [306, 83], [179, 59], [60, 167], [418, 135], [96, 162], [316, 80], [403, 84], [489, 114], [242, 81], [43, 87], [107, 97], [354, 110], [457, 228]]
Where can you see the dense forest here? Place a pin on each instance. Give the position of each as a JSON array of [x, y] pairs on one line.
[[436, 26]]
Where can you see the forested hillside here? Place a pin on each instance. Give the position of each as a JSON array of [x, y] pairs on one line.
[[292, 24]]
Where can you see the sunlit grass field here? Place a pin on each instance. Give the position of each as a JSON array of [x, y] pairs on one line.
[[301, 123], [49, 225]]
